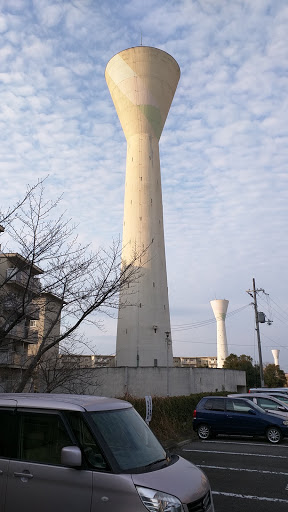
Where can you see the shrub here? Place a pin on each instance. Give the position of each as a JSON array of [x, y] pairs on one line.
[[172, 417]]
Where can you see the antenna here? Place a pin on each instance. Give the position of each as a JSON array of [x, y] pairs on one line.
[[141, 37]]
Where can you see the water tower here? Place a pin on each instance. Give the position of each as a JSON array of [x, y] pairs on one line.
[[275, 353], [142, 82], [220, 307]]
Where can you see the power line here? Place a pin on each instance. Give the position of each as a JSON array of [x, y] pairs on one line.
[[203, 323], [210, 343], [276, 343], [285, 312], [276, 313]]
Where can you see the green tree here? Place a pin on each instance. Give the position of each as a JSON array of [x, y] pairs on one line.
[[274, 377], [244, 363]]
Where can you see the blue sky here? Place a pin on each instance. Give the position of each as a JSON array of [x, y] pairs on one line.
[[224, 148]]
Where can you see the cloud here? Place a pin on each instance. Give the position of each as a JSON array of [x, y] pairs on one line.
[[223, 150]]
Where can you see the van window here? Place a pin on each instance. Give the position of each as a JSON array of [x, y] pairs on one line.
[[86, 441], [42, 437], [128, 438], [214, 404], [8, 436]]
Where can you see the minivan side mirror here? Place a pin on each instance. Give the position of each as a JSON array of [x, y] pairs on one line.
[[71, 456], [251, 411]]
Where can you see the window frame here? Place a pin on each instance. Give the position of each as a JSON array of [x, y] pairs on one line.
[[21, 412], [85, 461]]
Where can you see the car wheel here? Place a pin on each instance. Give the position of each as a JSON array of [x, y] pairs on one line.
[[273, 435], [204, 432]]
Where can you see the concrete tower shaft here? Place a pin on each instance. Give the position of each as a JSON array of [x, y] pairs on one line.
[[142, 82], [220, 307]]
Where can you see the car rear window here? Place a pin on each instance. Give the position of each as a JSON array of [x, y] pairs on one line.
[[214, 404]]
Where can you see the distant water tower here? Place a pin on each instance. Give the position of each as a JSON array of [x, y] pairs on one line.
[[220, 307], [142, 82], [275, 353]]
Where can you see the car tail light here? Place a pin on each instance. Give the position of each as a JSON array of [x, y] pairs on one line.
[[194, 413]]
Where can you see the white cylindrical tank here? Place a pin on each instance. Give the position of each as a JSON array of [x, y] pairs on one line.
[[275, 353], [142, 82], [220, 307]]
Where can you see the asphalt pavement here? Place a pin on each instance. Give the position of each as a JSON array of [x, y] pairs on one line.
[[244, 473]]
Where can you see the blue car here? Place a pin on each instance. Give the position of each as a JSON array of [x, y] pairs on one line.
[[222, 415]]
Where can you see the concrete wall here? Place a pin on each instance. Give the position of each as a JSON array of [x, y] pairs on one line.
[[138, 382]]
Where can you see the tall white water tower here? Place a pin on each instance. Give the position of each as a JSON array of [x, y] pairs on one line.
[[142, 82], [220, 307], [275, 353]]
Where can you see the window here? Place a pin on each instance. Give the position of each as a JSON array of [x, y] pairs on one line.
[[237, 406], [11, 273], [214, 404], [42, 437], [265, 403], [8, 436], [128, 438], [33, 323], [87, 442]]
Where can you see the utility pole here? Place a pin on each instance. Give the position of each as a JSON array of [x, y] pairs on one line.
[[254, 291]]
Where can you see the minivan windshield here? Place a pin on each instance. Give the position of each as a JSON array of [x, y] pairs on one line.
[[130, 440]]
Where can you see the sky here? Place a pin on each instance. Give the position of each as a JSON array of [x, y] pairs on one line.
[[223, 150]]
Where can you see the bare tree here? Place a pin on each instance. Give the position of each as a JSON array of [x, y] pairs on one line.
[[66, 370], [76, 283], [8, 216]]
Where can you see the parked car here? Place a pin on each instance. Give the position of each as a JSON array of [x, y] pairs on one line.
[[283, 397], [268, 390], [267, 402], [223, 415], [94, 454]]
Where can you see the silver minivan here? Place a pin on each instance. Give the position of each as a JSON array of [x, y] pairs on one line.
[[73, 453]]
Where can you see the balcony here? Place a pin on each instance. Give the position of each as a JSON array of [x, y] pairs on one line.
[[11, 359], [9, 304], [20, 278], [18, 332], [32, 336], [23, 333], [32, 311]]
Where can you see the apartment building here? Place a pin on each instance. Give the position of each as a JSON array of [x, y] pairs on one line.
[[28, 317], [88, 361], [97, 361], [195, 362]]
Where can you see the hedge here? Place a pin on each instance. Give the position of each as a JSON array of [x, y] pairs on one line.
[[172, 417]]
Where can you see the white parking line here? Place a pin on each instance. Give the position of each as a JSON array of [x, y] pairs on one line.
[[247, 497], [242, 442], [238, 453], [243, 469]]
